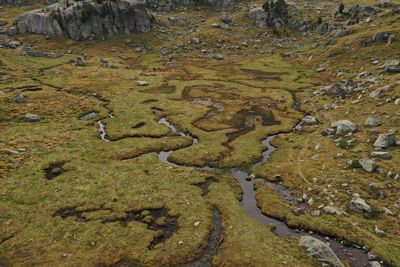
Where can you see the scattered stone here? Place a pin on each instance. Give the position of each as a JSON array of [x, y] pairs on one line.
[[38, 53], [373, 186], [19, 98], [89, 116], [392, 66], [321, 251], [381, 155], [79, 62], [298, 211], [376, 93], [30, 117], [142, 83], [7, 43], [316, 213], [344, 127], [373, 122], [225, 18], [309, 120], [331, 210], [368, 165], [378, 231], [218, 56], [385, 140], [357, 204], [397, 101]]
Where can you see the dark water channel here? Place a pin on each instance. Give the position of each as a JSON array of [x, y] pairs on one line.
[[356, 257]]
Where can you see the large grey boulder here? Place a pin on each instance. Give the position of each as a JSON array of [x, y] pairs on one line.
[[357, 204], [87, 19], [319, 250], [385, 140], [368, 165], [372, 122], [344, 127]]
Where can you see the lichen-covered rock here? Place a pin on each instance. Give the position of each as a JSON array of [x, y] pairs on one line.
[[357, 204], [344, 127], [385, 140], [87, 19], [320, 251]]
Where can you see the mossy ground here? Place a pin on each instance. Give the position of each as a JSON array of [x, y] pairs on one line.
[[98, 177]]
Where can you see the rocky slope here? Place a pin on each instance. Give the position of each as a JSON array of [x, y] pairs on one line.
[[87, 19]]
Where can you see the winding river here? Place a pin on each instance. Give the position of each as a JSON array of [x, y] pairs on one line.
[[356, 257]]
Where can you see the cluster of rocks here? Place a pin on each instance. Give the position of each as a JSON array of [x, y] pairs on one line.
[[379, 37], [341, 128], [343, 88], [87, 19], [170, 5], [40, 53], [16, 2], [8, 43]]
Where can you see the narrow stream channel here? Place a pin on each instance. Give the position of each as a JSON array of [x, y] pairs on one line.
[[356, 257]]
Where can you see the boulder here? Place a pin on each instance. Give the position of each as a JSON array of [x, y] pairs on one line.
[[368, 165], [336, 89], [309, 120], [89, 116], [381, 155], [385, 140], [331, 210], [87, 19], [392, 66], [344, 127], [319, 250], [379, 37], [30, 117], [372, 122], [357, 204], [377, 92]]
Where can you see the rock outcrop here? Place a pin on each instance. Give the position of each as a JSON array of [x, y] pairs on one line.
[[87, 19], [169, 5], [271, 14]]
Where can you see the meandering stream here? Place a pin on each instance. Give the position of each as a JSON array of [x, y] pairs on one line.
[[356, 257]]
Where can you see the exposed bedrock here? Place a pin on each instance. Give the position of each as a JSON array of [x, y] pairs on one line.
[[169, 5], [87, 19]]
